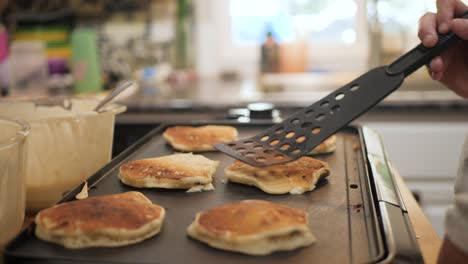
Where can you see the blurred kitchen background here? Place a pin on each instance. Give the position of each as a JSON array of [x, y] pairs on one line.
[[209, 59]]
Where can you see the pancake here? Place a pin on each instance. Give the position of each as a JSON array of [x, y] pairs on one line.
[[252, 227], [104, 221], [176, 171], [198, 139], [294, 177], [326, 147]]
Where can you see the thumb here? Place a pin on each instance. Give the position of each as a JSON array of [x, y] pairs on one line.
[[459, 26]]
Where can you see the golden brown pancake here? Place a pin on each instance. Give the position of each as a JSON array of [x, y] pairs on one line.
[[176, 171], [252, 227], [326, 147], [295, 177], [197, 139], [104, 221]]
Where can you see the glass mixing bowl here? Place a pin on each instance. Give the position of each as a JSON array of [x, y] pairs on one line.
[[67, 144], [13, 135]]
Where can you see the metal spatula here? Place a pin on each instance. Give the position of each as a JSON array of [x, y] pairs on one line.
[[306, 129]]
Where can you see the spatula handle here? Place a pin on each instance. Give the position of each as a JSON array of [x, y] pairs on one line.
[[420, 55]]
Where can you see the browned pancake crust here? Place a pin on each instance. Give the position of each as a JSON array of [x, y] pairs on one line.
[[130, 210], [301, 170], [140, 169], [194, 137], [250, 217], [325, 145]]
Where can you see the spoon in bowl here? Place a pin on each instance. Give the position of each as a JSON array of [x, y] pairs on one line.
[[116, 91]]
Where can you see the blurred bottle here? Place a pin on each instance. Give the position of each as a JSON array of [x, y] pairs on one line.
[[184, 48], [85, 61], [269, 57], [3, 61], [153, 79], [60, 80], [269, 63], [148, 83]]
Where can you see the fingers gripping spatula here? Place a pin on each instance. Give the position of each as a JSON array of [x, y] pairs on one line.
[[304, 130]]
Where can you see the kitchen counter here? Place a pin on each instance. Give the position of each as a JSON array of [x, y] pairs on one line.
[[211, 99], [427, 238], [293, 90]]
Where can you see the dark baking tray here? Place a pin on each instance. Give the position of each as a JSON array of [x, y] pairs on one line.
[[345, 213]]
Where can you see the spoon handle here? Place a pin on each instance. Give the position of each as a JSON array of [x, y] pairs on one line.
[[117, 90]]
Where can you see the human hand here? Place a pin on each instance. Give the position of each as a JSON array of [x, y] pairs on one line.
[[451, 68]]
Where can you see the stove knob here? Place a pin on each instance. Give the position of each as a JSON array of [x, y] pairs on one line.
[[261, 110]]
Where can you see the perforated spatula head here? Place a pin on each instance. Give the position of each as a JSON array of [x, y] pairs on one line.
[[306, 129]]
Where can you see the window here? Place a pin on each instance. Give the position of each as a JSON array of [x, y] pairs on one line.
[[341, 34], [319, 21], [399, 22]]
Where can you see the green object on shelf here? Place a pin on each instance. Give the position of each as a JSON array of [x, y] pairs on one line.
[[184, 35], [85, 61]]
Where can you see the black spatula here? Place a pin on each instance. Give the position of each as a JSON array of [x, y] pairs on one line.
[[306, 129]]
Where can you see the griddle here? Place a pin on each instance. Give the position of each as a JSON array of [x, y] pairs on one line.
[[356, 213]]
